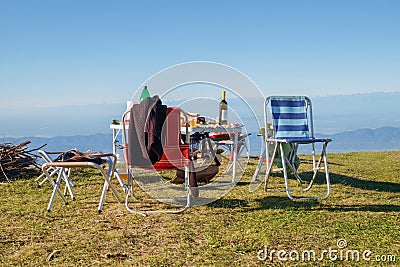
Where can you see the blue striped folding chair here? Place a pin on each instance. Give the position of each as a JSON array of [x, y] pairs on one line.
[[292, 125]]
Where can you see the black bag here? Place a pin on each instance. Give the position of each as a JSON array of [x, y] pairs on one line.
[[203, 175]]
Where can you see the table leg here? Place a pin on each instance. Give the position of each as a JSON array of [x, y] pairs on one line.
[[235, 143]]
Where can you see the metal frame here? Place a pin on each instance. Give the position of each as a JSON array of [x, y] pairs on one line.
[[240, 147], [234, 148], [62, 168], [288, 161], [130, 186], [56, 170]]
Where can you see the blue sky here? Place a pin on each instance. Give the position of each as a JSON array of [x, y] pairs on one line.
[[83, 52]]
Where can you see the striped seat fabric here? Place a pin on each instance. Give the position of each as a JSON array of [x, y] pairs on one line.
[[290, 117]]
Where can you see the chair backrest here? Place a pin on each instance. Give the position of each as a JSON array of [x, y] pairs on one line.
[[175, 153], [290, 116]]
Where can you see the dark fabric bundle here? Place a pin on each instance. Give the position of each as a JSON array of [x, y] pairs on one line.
[[145, 128], [74, 155]]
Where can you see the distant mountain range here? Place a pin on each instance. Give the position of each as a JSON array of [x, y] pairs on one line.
[[332, 114], [380, 139], [94, 142]]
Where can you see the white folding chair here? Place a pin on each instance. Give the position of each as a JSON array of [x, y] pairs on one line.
[[62, 167], [241, 149], [291, 118], [55, 171]]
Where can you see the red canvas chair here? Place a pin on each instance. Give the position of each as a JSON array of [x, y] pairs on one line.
[[175, 155]]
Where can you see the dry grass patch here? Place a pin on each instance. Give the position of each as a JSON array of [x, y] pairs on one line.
[[363, 209]]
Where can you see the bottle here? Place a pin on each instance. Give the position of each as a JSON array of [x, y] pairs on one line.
[[223, 110], [145, 93]]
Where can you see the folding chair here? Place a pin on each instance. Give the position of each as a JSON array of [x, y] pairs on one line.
[[55, 171], [175, 155], [241, 149], [91, 160], [292, 125]]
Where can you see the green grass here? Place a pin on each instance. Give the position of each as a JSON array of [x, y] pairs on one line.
[[363, 209]]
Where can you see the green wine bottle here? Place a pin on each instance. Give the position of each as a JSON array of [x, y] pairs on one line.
[[145, 94], [223, 110]]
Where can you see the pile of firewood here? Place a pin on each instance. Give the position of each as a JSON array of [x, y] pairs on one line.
[[17, 162]]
